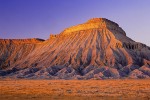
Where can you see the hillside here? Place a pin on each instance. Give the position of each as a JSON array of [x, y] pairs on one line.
[[96, 49]]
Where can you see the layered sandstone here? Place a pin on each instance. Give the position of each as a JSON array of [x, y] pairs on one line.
[[95, 23]]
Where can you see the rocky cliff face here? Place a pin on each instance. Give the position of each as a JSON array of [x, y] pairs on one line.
[[97, 49], [12, 50]]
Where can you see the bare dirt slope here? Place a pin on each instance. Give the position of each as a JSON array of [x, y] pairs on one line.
[[96, 49], [75, 90]]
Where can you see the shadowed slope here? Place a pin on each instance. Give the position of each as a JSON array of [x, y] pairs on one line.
[[12, 50]]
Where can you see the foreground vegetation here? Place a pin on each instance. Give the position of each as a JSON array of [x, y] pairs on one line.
[[74, 89]]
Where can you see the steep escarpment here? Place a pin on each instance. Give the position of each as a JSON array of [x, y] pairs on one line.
[[95, 23], [97, 49]]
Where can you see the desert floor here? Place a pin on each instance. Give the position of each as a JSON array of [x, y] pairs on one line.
[[74, 89]]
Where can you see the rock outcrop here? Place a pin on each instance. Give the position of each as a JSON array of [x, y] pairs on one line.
[[97, 49]]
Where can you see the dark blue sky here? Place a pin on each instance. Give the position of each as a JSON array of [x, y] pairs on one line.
[[39, 18]]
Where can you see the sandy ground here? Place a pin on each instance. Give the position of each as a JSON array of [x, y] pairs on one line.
[[74, 89]]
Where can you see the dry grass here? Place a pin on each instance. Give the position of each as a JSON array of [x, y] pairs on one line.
[[74, 89]]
